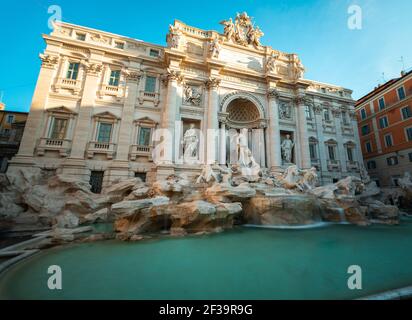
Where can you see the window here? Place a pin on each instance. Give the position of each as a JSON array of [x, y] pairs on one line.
[[349, 151], [150, 85], [392, 161], [388, 140], [119, 45], [363, 114], [73, 71], [58, 129], [365, 130], [383, 122], [308, 113], [326, 115], [401, 93], [96, 181], [81, 36], [144, 136], [154, 53], [345, 118], [381, 103], [312, 151], [368, 147], [104, 133], [395, 181], [371, 164], [331, 151], [114, 78], [406, 112], [10, 118], [378, 183], [410, 156], [409, 133]]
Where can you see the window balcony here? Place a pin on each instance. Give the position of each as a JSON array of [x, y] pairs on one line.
[[333, 165], [149, 96], [69, 84], [352, 165], [347, 129], [140, 151], [107, 148], [115, 91], [63, 146]]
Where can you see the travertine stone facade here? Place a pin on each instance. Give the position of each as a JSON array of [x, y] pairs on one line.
[[121, 106]]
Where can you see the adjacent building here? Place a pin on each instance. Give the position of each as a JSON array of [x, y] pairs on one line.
[[107, 107], [11, 131], [385, 129]]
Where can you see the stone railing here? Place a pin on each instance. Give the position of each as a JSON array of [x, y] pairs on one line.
[[329, 126], [333, 165], [63, 146], [352, 165], [347, 129], [149, 96], [140, 151], [70, 84], [115, 91], [96, 147]]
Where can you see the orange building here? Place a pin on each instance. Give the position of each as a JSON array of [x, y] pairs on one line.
[[385, 130]]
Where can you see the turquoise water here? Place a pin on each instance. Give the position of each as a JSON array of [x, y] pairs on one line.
[[246, 263]]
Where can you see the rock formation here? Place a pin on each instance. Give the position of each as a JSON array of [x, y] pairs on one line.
[[217, 200]]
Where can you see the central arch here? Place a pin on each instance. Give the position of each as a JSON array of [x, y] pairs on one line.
[[242, 110]]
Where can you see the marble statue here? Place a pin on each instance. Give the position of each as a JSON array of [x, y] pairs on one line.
[[243, 148], [287, 148], [173, 37], [229, 29], [192, 96], [207, 175], [298, 68], [242, 31], [190, 144], [271, 62], [214, 48]]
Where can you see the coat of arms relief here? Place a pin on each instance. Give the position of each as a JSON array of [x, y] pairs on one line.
[[242, 31]]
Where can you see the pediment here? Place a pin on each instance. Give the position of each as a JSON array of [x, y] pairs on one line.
[[61, 109], [106, 115]]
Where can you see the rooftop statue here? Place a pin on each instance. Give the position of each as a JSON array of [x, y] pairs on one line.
[[242, 31]]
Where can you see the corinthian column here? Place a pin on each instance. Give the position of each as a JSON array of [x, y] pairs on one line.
[[33, 129], [212, 120], [302, 127], [274, 152], [169, 116], [81, 132], [126, 124]]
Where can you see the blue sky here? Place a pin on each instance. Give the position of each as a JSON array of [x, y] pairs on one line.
[[315, 29]]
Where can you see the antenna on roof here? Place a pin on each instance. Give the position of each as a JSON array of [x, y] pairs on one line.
[[383, 77], [401, 60]]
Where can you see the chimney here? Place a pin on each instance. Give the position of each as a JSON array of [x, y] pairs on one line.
[[403, 73]]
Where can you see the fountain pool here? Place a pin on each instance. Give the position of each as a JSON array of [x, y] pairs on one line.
[[245, 263]]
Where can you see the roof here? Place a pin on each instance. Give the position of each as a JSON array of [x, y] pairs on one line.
[[381, 88]]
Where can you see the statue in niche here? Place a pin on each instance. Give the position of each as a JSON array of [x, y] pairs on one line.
[[243, 148], [192, 96], [190, 144], [271, 62], [285, 111], [287, 148], [229, 29], [246, 162], [214, 48]]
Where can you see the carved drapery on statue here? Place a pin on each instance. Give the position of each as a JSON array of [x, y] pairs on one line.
[[242, 31]]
